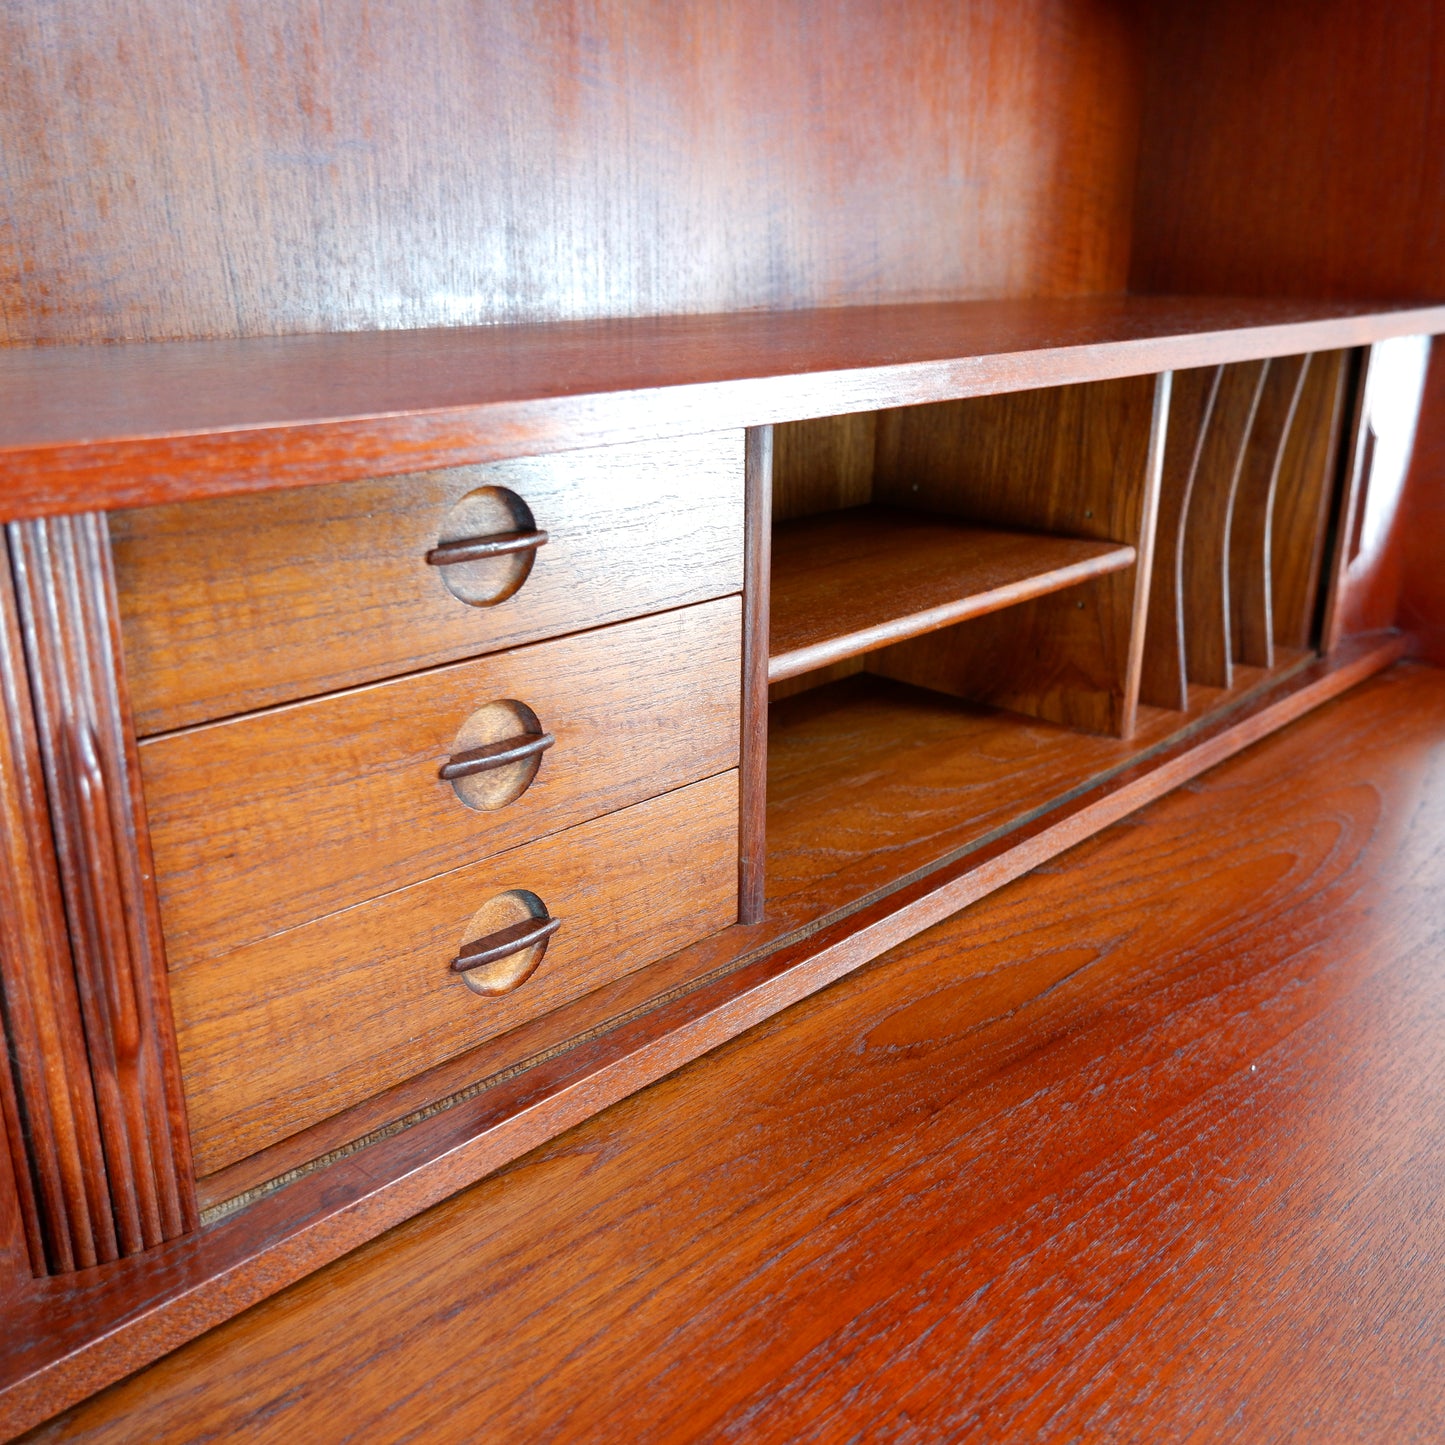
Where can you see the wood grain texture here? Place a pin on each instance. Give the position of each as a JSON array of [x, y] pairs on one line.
[[279, 1034], [819, 677], [876, 787], [850, 582], [1251, 586], [124, 426], [1207, 647], [272, 820], [67, 606], [1084, 461], [73, 1335], [1164, 679], [753, 738], [872, 780], [52, 1128], [823, 465], [1107, 1155], [310, 591], [1288, 150], [1302, 498], [483, 163]]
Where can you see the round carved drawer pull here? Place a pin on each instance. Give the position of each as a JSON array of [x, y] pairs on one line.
[[476, 549], [514, 938], [486, 546], [495, 755]]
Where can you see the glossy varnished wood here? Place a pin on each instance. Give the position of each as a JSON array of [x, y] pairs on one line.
[[274, 819], [1303, 494], [850, 582], [480, 163], [281, 1033], [1164, 678], [753, 728], [871, 780], [51, 1125], [1287, 150], [1383, 488], [824, 465], [300, 167], [1084, 461], [1422, 595], [126, 426], [70, 622], [1251, 585], [1208, 652], [1108, 1155], [876, 787], [252, 601], [1346, 518], [81, 1332]]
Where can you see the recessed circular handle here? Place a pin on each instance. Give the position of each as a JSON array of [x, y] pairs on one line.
[[476, 549], [471, 761], [503, 943], [486, 546]]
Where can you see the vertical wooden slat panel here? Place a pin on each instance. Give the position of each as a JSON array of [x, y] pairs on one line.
[[1147, 547], [1208, 652], [1251, 606], [1164, 681], [1352, 468], [71, 633], [55, 1139], [1302, 498]]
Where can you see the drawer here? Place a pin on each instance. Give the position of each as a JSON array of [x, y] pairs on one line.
[[265, 822], [243, 602], [279, 1035]]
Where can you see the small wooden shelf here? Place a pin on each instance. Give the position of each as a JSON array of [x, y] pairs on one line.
[[847, 582], [101, 427]]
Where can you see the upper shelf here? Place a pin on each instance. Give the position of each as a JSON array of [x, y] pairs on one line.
[[847, 582], [124, 425]]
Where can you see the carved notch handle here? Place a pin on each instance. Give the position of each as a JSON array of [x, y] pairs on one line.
[[505, 941], [495, 755], [475, 549]]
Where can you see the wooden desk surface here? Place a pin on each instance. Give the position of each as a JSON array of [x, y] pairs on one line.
[[1149, 1145]]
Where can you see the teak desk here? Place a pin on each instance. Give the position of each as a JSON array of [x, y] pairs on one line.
[[421, 734]]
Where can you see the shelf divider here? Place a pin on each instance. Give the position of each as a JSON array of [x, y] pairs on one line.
[[847, 582]]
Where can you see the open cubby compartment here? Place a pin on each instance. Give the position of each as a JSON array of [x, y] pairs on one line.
[[1009, 599], [993, 549], [1245, 501]]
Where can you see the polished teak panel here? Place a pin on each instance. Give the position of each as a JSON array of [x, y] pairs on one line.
[[126, 426], [279, 1034], [1084, 461], [238, 604], [459, 162], [66, 605], [850, 582], [285, 201], [1113, 1154], [271, 820]]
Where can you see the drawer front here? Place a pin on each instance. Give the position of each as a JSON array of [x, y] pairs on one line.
[[268, 821], [280, 1035], [244, 602]]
